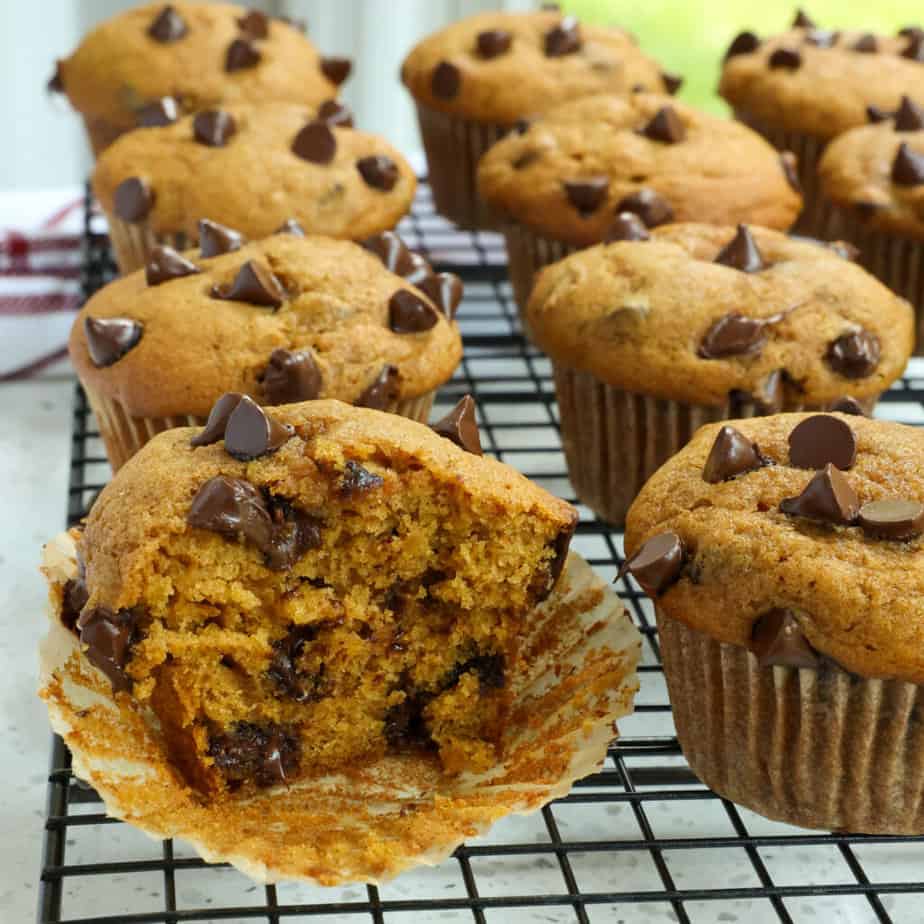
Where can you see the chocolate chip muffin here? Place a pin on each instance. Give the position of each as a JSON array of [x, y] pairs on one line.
[[480, 77], [808, 85], [252, 168], [152, 63], [285, 319], [785, 559], [297, 590], [565, 181], [654, 335], [872, 182]]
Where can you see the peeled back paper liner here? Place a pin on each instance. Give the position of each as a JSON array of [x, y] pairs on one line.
[[818, 748], [368, 824]]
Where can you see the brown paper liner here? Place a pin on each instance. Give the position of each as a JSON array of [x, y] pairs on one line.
[[615, 440], [817, 748], [527, 253], [453, 147], [123, 435]]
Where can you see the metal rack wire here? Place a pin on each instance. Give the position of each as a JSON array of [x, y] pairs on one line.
[[642, 840]]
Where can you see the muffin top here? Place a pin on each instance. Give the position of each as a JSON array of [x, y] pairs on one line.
[[878, 171], [200, 54], [501, 67], [284, 319], [796, 535], [568, 174], [254, 167], [697, 312], [820, 82]]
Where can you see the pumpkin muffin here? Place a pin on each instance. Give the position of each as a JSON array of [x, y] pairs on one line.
[[653, 336], [480, 77], [152, 63], [563, 183], [285, 319], [785, 559], [251, 168], [808, 85]]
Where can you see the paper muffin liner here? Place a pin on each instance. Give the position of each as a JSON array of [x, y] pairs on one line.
[[133, 242], [615, 440], [819, 748], [527, 253], [453, 147], [369, 823], [123, 435]]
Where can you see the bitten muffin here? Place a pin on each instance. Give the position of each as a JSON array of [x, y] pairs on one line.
[[804, 87], [872, 181], [285, 319], [151, 63], [561, 183], [785, 559], [478, 78], [651, 338], [252, 168], [303, 589]]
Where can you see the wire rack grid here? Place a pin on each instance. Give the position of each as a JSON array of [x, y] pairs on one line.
[[642, 840]]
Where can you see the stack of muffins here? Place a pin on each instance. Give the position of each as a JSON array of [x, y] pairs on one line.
[[651, 260]]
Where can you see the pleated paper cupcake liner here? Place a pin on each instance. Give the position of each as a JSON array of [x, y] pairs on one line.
[[453, 147], [527, 253], [817, 748], [133, 242], [615, 440]]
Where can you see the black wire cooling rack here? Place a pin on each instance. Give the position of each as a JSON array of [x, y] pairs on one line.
[[641, 841]]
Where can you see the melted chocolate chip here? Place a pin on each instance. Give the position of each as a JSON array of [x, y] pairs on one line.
[[283, 669], [166, 264], [336, 70], [213, 127], [854, 355], [216, 239], [109, 637], [908, 167], [892, 518], [294, 533], [315, 143], [672, 82], [445, 289], [665, 126], [163, 111], [785, 58], [109, 339], [563, 38], [446, 80], [827, 498], [379, 171], [255, 24], [790, 164], [133, 200], [802, 21], [334, 113], [263, 754], [408, 313], [382, 391], [874, 114], [822, 440], [493, 42], [734, 334], [291, 226], [233, 508], [256, 284], [648, 205], [848, 405], [744, 43], [626, 226], [909, 117], [73, 599], [214, 429], [657, 564], [560, 552], [587, 194], [168, 26], [732, 454], [742, 252], [358, 480], [242, 54], [460, 426], [291, 376], [251, 432], [776, 638], [866, 44]]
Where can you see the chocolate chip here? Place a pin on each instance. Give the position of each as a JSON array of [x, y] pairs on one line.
[[255, 24], [315, 143], [73, 599], [163, 111], [109, 637], [214, 429], [335, 113], [234, 508], [283, 669], [828, 498], [874, 114], [445, 289], [788, 58], [626, 226], [251, 432], [391, 250], [267, 754], [822, 440], [216, 239], [657, 564], [848, 405], [744, 43], [382, 391], [866, 44], [56, 81], [802, 21], [168, 26], [910, 32], [294, 533], [854, 355], [733, 334], [408, 313], [560, 552], [790, 164], [521, 126], [777, 639], [291, 226], [909, 116], [914, 50], [892, 518], [336, 70], [742, 252], [134, 199], [493, 42], [460, 427], [822, 38], [358, 480], [587, 194], [672, 82], [446, 80], [109, 339], [648, 205], [213, 127], [241, 55], [379, 171], [665, 126], [564, 38], [166, 264], [256, 284], [291, 376], [732, 454], [908, 167]]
